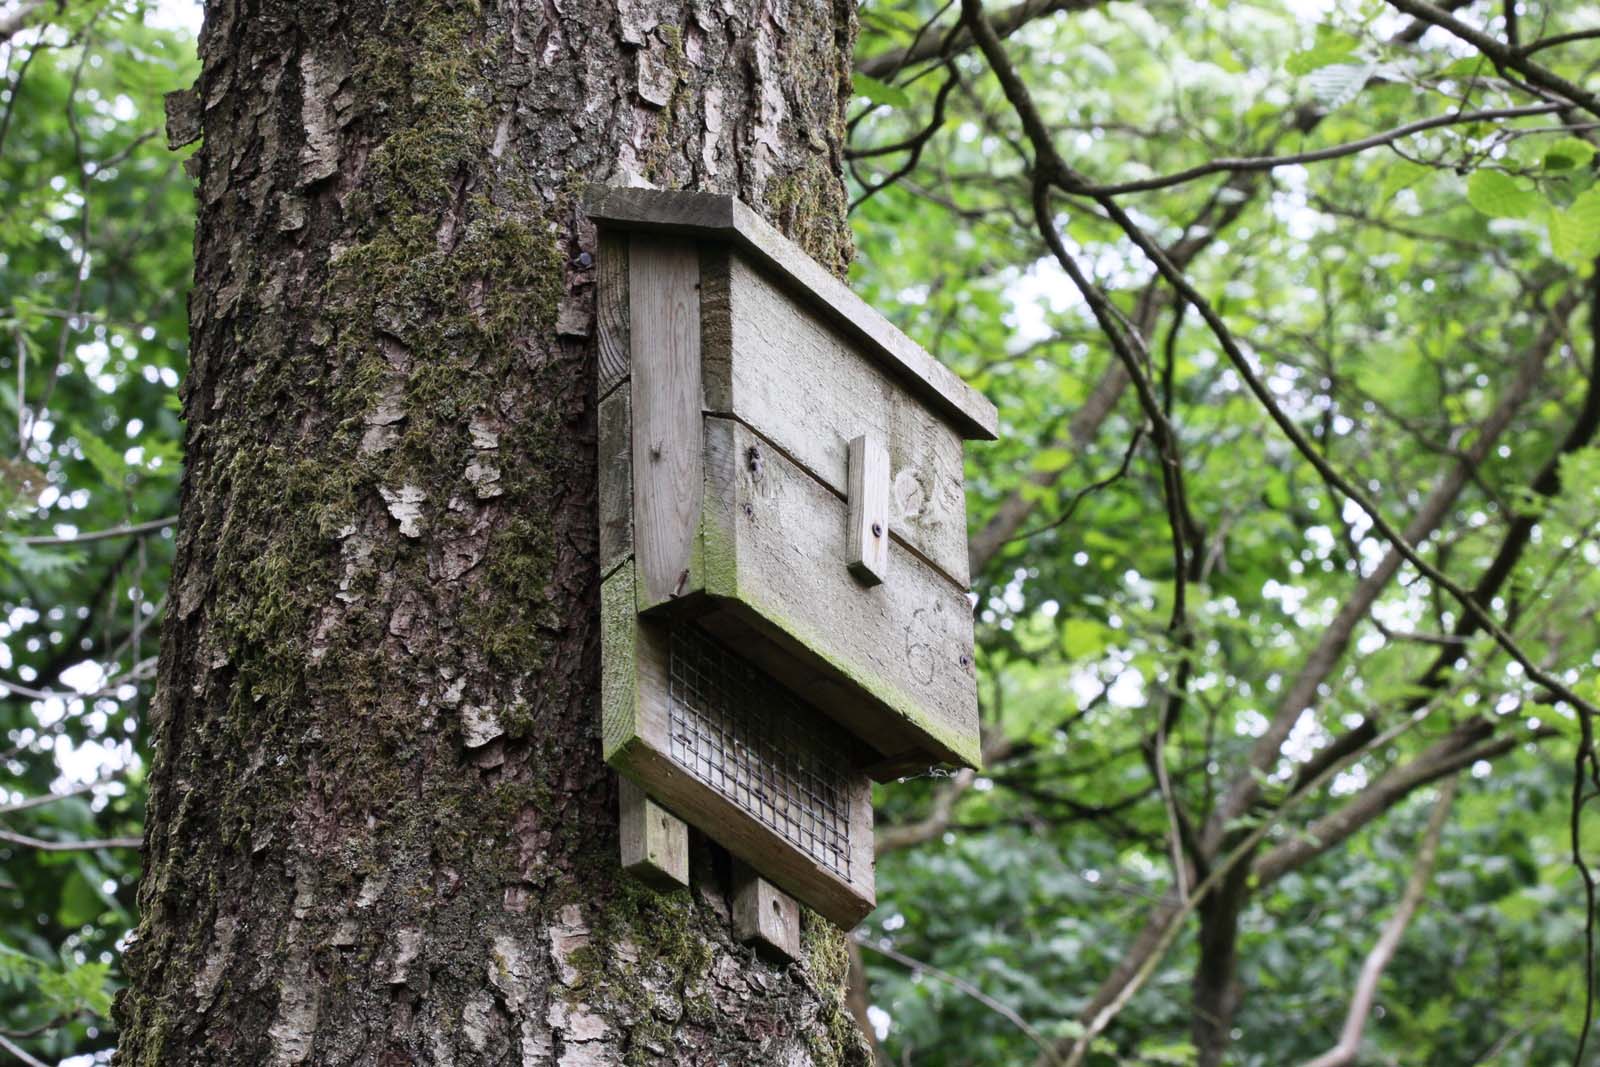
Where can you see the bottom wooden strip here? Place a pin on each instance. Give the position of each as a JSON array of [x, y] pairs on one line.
[[655, 843], [765, 916]]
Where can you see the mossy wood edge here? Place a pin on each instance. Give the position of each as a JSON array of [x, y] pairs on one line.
[[711, 216]]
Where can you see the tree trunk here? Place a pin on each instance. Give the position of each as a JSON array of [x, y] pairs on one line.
[[1216, 986], [380, 831]]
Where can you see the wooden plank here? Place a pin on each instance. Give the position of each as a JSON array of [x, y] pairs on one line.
[[719, 217], [901, 655], [655, 843], [664, 326], [765, 916], [619, 654], [805, 386], [611, 312], [867, 550], [616, 481]]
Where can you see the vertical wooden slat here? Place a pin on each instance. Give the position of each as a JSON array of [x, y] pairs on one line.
[[616, 481], [655, 843], [619, 627], [863, 840], [611, 276], [664, 327], [867, 550]]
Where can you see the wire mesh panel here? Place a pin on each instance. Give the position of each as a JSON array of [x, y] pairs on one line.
[[741, 733]]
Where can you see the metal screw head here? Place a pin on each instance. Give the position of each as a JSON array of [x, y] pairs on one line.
[[584, 259], [877, 529]]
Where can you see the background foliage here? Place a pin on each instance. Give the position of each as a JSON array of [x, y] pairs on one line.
[[95, 260], [1393, 299]]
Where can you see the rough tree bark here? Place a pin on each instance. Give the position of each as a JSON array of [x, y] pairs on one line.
[[380, 831]]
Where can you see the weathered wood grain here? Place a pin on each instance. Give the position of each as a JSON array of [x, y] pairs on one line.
[[899, 656], [765, 916], [655, 843], [611, 312], [804, 385], [616, 480], [664, 326], [725, 218], [867, 550]]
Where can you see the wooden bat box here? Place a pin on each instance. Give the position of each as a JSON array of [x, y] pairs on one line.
[[782, 537]]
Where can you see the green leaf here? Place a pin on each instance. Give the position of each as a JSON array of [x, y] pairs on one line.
[[1567, 154], [1051, 459], [106, 461], [1402, 175], [1575, 232], [1082, 638], [1332, 47], [881, 92], [31, 561], [1501, 196], [1337, 84]]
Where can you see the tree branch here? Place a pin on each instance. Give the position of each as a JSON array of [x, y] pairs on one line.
[[137, 529], [1461, 748], [1335, 638], [1004, 1011], [1167, 919], [1337, 481], [1560, 39], [955, 39], [1366, 991], [20, 1053], [1501, 54]]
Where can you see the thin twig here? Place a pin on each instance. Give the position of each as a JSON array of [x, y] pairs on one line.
[[24, 841], [137, 529], [1559, 39], [1349, 148], [1002, 1010], [1088, 490], [22, 1056], [1502, 55], [51, 798], [138, 673]]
